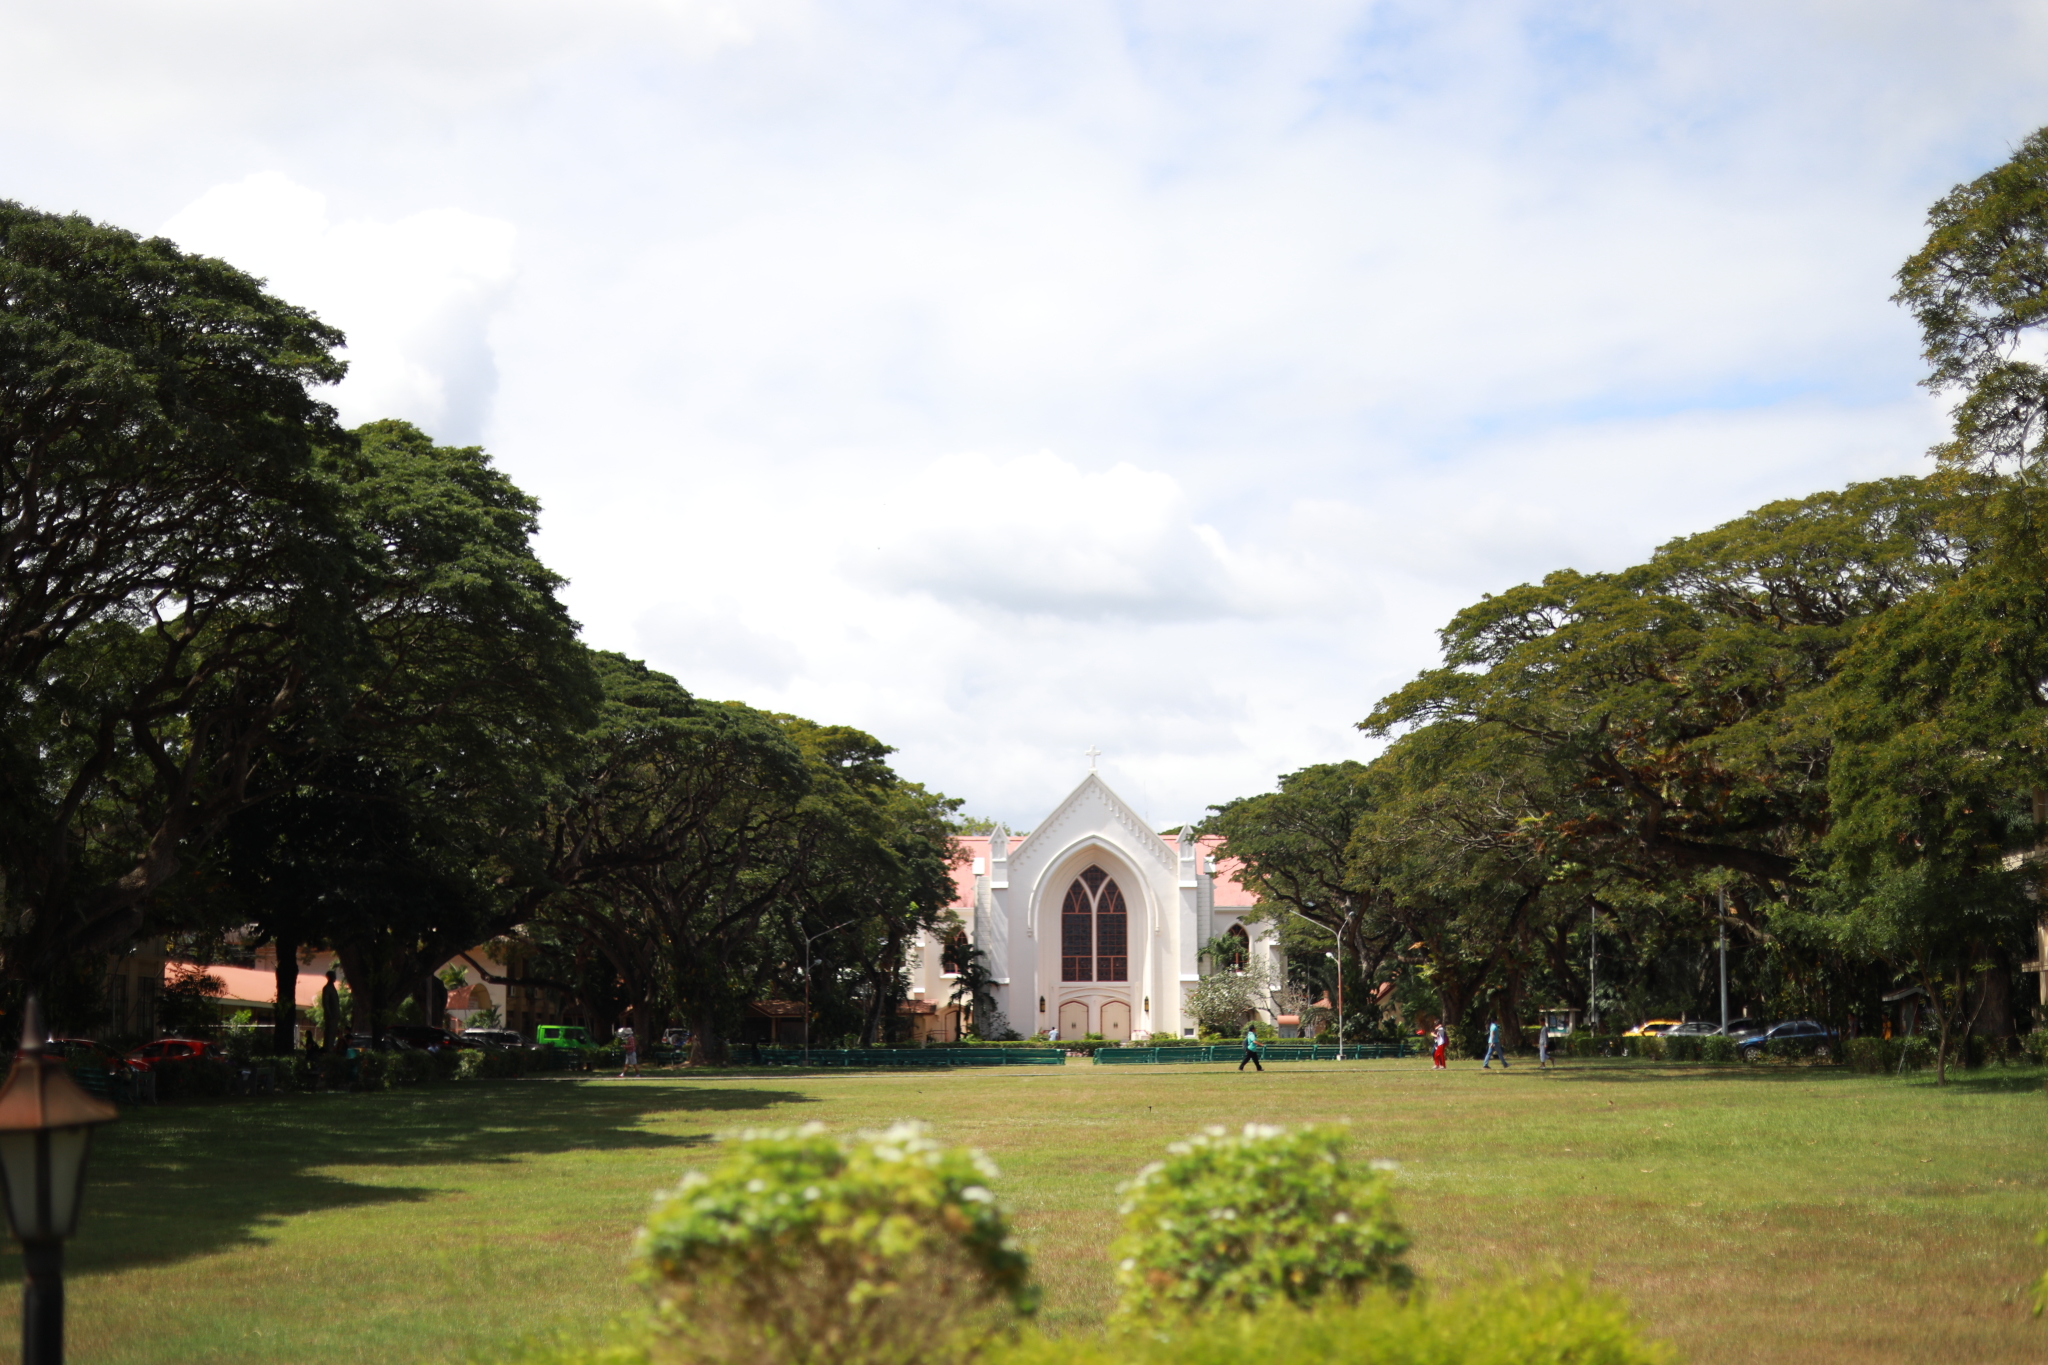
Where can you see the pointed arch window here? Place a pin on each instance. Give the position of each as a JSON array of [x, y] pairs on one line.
[[1095, 931]]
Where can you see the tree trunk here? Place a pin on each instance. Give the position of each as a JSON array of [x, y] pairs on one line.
[[1452, 1000], [285, 1014], [707, 1047], [873, 1019], [366, 992], [1993, 1013], [1943, 1017]]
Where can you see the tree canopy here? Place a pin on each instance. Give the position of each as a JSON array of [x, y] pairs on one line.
[[1827, 710]]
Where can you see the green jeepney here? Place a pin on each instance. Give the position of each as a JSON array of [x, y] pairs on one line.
[[563, 1035]]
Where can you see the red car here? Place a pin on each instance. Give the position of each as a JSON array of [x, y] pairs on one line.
[[84, 1049], [173, 1050]]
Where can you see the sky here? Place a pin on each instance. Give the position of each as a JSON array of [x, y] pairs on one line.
[[1015, 379]]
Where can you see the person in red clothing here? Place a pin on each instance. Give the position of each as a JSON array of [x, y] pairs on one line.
[[1442, 1040]]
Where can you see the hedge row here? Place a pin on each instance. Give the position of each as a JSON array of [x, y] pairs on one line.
[[1687, 1048], [1887, 1054], [208, 1077]]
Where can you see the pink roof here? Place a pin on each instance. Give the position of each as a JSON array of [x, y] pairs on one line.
[[253, 986], [974, 846], [1229, 894]]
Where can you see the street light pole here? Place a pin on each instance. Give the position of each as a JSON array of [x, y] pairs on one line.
[[1340, 970], [807, 983], [46, 1125], [1340, 986]]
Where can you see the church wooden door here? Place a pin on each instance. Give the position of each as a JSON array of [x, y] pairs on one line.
[[1073, 1020], [1116, 1021]]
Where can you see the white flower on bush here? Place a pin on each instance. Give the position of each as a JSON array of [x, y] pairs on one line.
[[1233, 1222]]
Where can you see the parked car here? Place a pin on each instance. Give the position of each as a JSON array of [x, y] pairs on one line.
[[1654, 1028], [562, 1035], [425, 1037], [493, 1037], [86, 1049], [1817, 1040], [173, 1050], [1694, 1028], [1744, 1028], [367, 1042]]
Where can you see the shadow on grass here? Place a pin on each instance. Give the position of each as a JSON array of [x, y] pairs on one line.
[[189, 1180]]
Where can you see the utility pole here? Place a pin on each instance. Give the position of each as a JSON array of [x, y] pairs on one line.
[[1340, 988], [1723, 894]]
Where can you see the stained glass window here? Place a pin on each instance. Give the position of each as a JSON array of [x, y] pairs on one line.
[[1112, 935], [1077, 952], [1094, 930]]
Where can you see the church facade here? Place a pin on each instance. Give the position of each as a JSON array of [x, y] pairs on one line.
[[1093, 922]]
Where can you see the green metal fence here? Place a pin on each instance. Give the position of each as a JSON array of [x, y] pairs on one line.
[[866, 1057], [1271, 1052]]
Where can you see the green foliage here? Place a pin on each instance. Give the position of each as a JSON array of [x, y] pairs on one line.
[[1230, 1223], [804, 1248], [2035, 1045], [1222, 1001], [185, 1006], [1884, 1056], [171, 590], [1799, 1049], [1686, 1048], [1977, 287], [1551, 1321], [1295, 847]]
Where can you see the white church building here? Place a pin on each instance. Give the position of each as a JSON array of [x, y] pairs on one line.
[[1092, 921]]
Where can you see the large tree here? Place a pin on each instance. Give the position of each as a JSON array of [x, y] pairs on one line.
[[395, 819], [173, 585]]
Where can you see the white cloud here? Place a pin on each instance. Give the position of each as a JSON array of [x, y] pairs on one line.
[[1037, 535], [415, 297], [1006, 379]]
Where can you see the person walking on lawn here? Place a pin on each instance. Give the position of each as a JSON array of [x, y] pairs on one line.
[[1542, 1045], [1251, 1048], [1493, 1048], [1442, 1041]]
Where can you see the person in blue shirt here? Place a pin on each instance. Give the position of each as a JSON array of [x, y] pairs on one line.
[[1493, 1048], [1251, 1048]]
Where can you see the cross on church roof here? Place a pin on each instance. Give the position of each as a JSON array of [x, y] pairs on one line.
[[1093, 753]]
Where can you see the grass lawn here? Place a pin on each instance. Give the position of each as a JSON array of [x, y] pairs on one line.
[[1747, 1214]]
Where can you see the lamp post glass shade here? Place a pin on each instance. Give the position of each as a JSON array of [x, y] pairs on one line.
[[44, 1172], [46, 1124]]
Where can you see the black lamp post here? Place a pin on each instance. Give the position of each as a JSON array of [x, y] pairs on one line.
[[46, 1124]]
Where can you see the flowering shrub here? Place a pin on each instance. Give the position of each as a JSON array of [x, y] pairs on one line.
[[1233, 1222], [804, 1248], [1554, 1322]]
